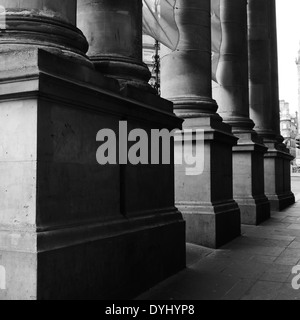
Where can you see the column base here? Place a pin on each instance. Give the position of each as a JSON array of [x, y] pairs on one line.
[[212, 225], [278, 177], [206, 199], [48, 25], [282, 201], [74, 263], [248, 179], [254, 211], [125, 70]]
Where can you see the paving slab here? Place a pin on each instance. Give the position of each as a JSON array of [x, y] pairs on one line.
[[256, 266], [263, 290]]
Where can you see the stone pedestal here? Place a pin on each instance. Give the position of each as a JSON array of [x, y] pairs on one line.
[[249, 184], [231, 92], [113, 29], [264, 100], [71, 228], [278, 177], [206, 199]]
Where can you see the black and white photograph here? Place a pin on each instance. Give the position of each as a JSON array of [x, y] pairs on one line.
[[149, 153]]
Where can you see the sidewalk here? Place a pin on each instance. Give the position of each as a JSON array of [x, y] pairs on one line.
[[256, 266]]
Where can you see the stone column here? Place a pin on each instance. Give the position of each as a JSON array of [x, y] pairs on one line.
[[114, 32], [232, 95], [206, 199], [264, 100], [72, 227]]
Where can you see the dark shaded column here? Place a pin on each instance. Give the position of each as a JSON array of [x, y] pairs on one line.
[[73, 227], [206, 199], [264, 100], [232, 95]]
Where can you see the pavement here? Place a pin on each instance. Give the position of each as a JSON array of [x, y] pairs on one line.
[[256, 266]]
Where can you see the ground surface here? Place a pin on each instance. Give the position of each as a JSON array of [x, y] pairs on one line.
[[256, 266]]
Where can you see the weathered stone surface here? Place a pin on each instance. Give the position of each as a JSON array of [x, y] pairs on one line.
[[76, 220], [114, 32], [49, 24], [64, 10]]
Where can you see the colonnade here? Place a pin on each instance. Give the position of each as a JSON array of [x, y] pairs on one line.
[[70, 228], [243, 103]]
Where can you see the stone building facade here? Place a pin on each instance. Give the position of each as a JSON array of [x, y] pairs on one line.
[[289, 129], [73, 229], [151, 57]]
